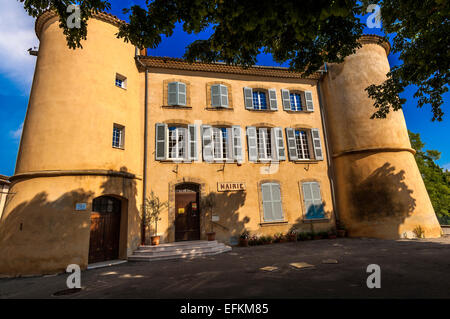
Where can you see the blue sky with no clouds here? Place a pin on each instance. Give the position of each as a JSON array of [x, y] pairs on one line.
[[16, 74]]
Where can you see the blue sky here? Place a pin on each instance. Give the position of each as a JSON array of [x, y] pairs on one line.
[[16, 72]]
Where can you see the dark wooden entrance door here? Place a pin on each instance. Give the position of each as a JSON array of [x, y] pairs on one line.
[[187, 214], [105, 229]]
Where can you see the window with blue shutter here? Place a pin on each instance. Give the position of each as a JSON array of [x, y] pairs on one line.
[[271, 202], [313, 201]]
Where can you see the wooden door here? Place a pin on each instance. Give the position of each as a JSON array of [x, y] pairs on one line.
[[187, 216], [105, 229]]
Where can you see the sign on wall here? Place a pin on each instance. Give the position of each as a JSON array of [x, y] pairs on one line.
[[230, 186], [80, 206]]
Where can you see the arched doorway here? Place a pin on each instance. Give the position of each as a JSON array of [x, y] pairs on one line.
[[105, 229], [187, 212]]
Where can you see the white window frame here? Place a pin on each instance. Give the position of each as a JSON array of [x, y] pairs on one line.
[[123, 80], [121, 129], [303, 148], [179, 131]]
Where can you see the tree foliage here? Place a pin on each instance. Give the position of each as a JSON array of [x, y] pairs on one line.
[[305, 34], [437, 182]]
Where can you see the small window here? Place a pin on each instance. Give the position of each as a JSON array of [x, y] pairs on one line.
[[259, 100], [313, 201], [219, 95], [301, 141], [296, 102], [176, 93], [177, 143], [271, 197], [121, 81], [118, 136]]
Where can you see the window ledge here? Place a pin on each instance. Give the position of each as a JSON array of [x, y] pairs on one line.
[[262, 111], [119, 148], [218, 108], [306, 161], [121, 87], [317, 220], [175, 161], [299, 112], [177, 106], [281, 222]]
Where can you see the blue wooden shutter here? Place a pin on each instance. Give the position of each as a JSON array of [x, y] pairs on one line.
[[207, 143], [248, 98], [317, 144], [291, 144], [181, 93], [309, 101], [192, 133], [252, 144], [223, 95], [160, 141], [172, 93], [215, 95], [273, 99], [285, 96], [236, 135]]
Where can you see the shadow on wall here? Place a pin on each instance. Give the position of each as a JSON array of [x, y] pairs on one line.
[[226, 207], [315, 226], [43, 236], [383, 195]]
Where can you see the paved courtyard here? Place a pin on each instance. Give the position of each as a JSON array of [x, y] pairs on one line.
[[409, 269]]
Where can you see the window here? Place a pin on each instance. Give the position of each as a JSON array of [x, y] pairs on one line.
[[313, 201], [296, 102], [265, 144], [121, 81], [302, 142], [260, 99], [176, 93], [271, 198], [176, 142], [118, 136], [219, 95], [222, 143]]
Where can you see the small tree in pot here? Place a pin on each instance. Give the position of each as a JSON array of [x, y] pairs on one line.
[[208, 203], [153, 207]]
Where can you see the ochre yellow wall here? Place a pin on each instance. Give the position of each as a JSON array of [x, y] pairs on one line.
[[237, 210], [380, 192], [68, 132]]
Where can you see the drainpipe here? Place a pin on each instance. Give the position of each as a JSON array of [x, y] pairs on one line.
[[144, 174], [331, 173]]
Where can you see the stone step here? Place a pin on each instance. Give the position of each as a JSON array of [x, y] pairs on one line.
[[181, 250], [177, 256], [157, 249], [178, 251]]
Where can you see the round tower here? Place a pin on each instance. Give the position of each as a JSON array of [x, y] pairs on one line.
[[380, 192], [66, 157]]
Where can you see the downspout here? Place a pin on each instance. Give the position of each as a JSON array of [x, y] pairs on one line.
[[331, 174], [144, 174]]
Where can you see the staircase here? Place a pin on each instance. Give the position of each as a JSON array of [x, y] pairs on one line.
[[178, 250]]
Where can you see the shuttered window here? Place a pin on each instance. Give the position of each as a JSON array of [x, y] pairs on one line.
[[302, 142], [222, 143], [265, 144], [176, 93], [259, 100], [313, 201], [295, 100], [271, 198], [175, 143], [219, 95]]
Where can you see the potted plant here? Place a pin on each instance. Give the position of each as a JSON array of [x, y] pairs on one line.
[[291, 235], [244, 238], [208, 203], [278, 238], [153, 207]]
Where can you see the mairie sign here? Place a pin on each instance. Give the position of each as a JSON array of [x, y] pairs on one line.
[[230, 186]]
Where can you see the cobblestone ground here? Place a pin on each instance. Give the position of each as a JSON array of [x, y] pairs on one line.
[[409, 269]]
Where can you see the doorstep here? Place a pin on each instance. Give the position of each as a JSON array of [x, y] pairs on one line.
[[107, 263]]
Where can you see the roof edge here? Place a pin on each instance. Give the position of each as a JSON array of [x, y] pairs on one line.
[[376, 39]]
